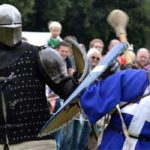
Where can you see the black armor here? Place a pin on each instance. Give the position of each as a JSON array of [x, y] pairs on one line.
[[23, 105]]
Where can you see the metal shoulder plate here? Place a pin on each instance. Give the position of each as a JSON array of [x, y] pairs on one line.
[[53, 64]]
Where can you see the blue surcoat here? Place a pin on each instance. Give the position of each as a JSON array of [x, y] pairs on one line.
[[100, 99]]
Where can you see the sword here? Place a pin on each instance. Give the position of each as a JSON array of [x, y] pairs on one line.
[[71, 105]]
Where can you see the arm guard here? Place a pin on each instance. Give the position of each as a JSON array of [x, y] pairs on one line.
[[53, 64], [53, 72]]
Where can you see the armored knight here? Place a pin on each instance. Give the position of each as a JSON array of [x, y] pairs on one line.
[[24, 71], [126, 95]]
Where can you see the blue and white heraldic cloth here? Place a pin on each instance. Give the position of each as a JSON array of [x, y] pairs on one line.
[[102, 96]]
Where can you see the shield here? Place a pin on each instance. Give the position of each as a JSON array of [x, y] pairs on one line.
[[71, 105], [79, 57], [66, 115], [81, 65]]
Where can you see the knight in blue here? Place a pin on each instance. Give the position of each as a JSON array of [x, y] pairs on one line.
[[128, 89]]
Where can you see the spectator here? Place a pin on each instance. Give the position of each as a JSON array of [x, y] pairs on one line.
[[55, 31], [97, 43], [64, 50], [94, 56], [70, 37], [112, 43], [120, 58], [142, 58]]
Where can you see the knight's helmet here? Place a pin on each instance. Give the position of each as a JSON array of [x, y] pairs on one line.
[[10, 25]]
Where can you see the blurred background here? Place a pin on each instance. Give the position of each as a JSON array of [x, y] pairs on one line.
[[86, 19]]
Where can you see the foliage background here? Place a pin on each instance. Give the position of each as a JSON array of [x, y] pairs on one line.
[[86, 19]]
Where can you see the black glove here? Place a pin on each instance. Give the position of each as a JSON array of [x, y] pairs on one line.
[[76, 77], [114, 67], [129, 66]]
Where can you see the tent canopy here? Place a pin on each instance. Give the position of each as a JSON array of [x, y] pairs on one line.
[[36, 38]]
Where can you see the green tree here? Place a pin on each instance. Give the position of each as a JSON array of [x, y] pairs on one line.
[[48, 10], [87, 20]]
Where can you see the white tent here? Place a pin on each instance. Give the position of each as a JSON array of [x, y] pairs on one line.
[[36, 38]]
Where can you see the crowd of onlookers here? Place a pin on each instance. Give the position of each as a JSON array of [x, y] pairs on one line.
[[77, 129], [80, 131], [95, 50]]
